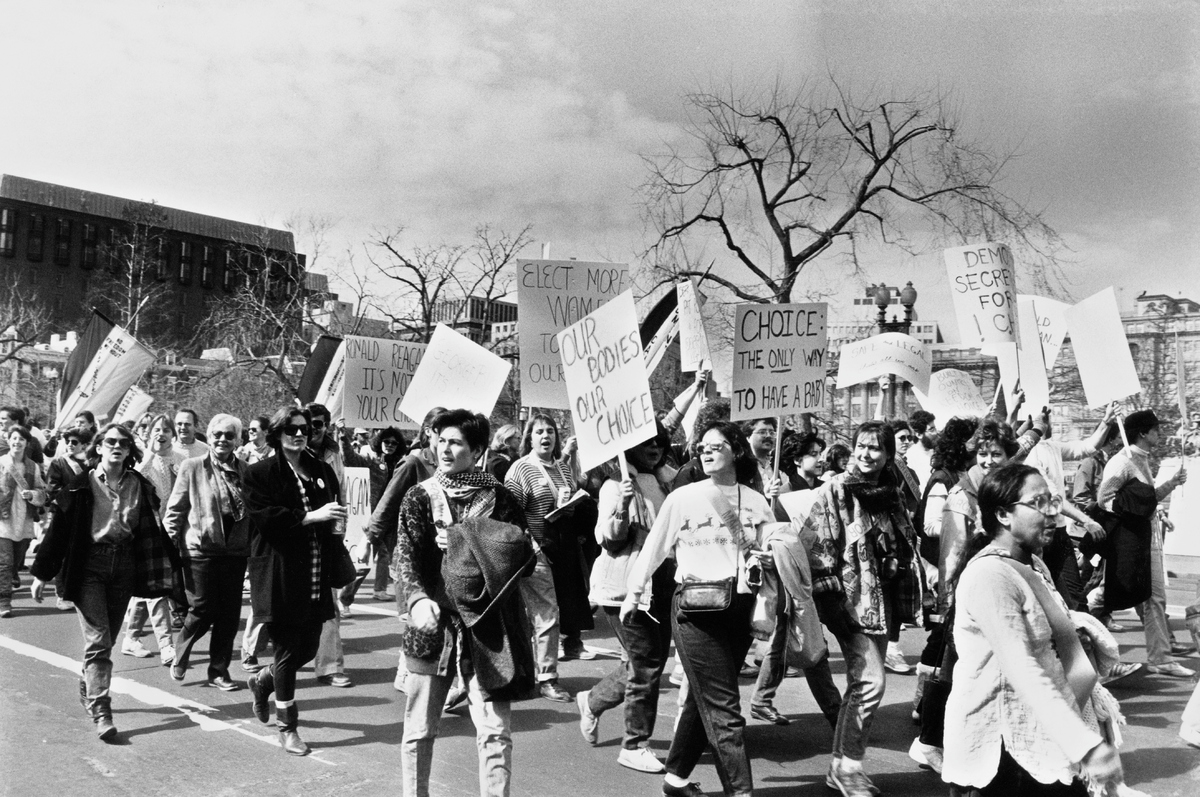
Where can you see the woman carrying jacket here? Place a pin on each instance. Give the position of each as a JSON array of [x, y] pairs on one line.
[[107, 539], [292, 501], [22, 494], [627, 512]]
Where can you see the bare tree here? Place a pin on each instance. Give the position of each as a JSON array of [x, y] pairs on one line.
[[132, 285], [781, 177], [433, 282], [24, 319]]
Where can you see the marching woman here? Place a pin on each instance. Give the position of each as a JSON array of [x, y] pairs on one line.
[[107, 539], [22, 494], [627, 512], [864, 562], [292, 501], [712, 529]]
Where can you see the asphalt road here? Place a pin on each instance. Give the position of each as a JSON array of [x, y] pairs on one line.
[[184, 739]]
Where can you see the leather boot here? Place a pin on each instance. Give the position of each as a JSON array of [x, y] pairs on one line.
[[286, 720], [261, 688], [102, 717]]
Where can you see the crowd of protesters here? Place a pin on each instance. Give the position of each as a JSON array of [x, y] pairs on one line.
[[742, 546]]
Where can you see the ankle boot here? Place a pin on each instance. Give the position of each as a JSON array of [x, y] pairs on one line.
[[102, 717], [286, 720], [261, 688]]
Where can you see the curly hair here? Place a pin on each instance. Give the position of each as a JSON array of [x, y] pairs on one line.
[[951, 451], [744, 463]]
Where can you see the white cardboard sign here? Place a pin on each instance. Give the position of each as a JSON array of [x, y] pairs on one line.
[[455, 372], [952, 393], [1051, 318], [552, 295], [605, 375], [1101, 350], [1029, 359], [779, 359], [376, 375], [984, 286], [693, 339], [356, 491], [889, 353]]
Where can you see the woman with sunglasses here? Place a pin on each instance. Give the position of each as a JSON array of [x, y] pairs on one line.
[[292, 502], [107, 540], [22, 495], [712, 529], [68, 462], [1016, 721]]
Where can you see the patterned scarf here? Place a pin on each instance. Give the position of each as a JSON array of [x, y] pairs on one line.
[[474, 490]]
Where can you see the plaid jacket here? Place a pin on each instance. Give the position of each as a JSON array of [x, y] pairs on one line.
[[69, 540]]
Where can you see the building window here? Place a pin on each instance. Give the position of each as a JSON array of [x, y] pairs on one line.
[[207, 266], [90, 235], [160, 259], [8, 232], [229, 274], [62, 242], [185, 263], [36, 240]]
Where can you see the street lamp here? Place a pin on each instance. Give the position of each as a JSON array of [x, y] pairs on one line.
[[883, 299]]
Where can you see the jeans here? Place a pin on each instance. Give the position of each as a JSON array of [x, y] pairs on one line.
[[423, 713], [8, 570], [252, 637], [865, 681], [774, 668], [330, 657], [383, 556], [635, 683], [712, 647], [541, 602], [158, 611], [214, 591], [103, 596], [1153, 611]]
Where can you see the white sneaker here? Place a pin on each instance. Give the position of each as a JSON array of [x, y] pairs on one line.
[[132, 646], [63, 605], [926, 755], [894, 661], [589, 723], [641, 760]]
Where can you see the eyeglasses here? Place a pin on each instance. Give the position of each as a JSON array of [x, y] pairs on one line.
[[117, 442], [224, 436], [295, 430], [1042, 503], [317, 423], [904, 438]]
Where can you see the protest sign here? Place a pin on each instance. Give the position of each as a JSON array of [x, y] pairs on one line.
[[455, 373], [889, 353], [552, 295], [605, 375], [356, 492], [1051, 319], [693, 339], [133, 406], [779, 359], [1101, 350], [952, 393], [984, 287], [375, 374], [1030, 364], [1010, 368], [1185, 505]]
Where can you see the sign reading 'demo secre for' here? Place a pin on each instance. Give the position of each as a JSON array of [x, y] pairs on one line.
[[377, 373], [779, 359], [984, 286], [605, 374], [552, 295]]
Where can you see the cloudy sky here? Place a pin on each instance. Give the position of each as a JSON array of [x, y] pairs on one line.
[[438, 116]]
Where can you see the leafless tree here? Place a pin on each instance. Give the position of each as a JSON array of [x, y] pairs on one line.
[[132, 285], [24, 319], [780, 177]]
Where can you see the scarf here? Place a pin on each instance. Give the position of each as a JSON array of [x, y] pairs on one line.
[[474, 489], [876, 498]]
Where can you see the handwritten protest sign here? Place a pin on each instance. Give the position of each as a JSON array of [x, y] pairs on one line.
[[455, 373], [984, 286], [356, 492], [779, 359], [1051, 318], [889, 353], [952, 393], [1029, 359], [552, 295], [605, 375], [376, 375], [693, 339], [1101, 350]]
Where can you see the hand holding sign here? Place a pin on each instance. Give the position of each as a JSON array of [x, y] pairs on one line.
[[779, 359]]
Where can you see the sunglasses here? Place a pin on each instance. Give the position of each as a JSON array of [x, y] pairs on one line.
[[712, 448], [117, 442], [318, 424], [296, 430], [73, 442], [904, 438], [224, 435]]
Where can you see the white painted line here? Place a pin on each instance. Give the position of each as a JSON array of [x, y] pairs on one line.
[[150, 695]]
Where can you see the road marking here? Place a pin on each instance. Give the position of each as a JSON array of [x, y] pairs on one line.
[[150, 695]]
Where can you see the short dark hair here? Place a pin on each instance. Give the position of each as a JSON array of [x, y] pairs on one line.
[[1000, 488], [192, 412], [797, 445], [1140, 423], [883, 434], [135, 453], [663, 438], [21, 430], [744, 463], [166, 421], [15, 413], [263, 422], [389, 433], [920, 421], [280, 419], [423, 440], [87, 416], [748, 426], [474, 427], [318, 410], [836, 452], [951, 451], [993, 431], [527, 435]]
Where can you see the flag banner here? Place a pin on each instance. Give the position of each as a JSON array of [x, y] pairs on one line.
[[323, 353], [552, 295], [81, 356], [115, 367], [779, 359], [133, 406]]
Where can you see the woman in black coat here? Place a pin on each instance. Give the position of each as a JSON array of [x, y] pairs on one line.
[[292, 500]]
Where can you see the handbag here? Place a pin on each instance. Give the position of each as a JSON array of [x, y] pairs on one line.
[[937, 689], [344, 570], [706, 596]]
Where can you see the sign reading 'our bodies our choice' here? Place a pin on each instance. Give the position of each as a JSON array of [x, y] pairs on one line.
[[984, 286], [376, 375], [552, 295], [604, 371], [778, 359]]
